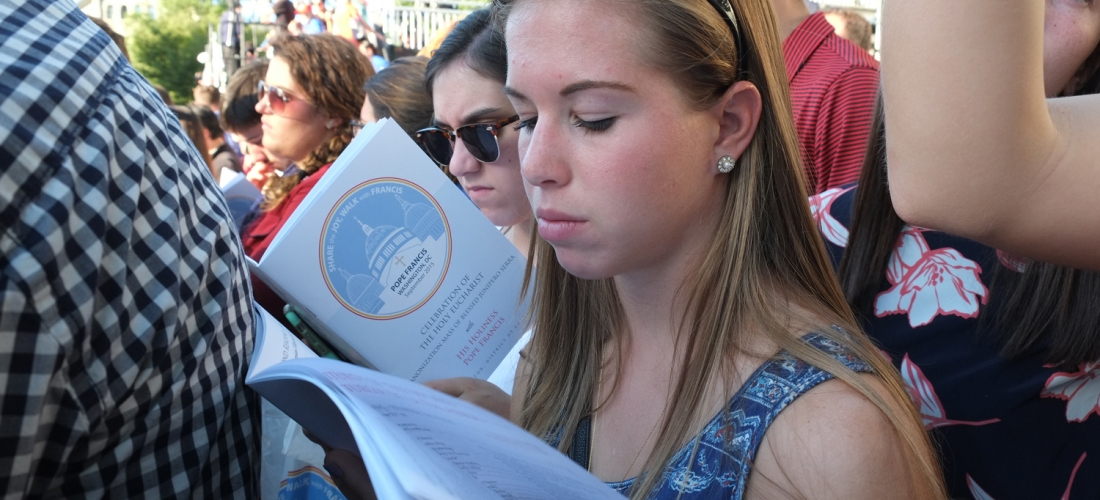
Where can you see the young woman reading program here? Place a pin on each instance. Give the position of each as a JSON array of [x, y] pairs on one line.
[[688, 328]]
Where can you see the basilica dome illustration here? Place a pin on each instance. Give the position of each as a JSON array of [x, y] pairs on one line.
[[364, 292], [385, 249], [422, 220], [383, 242]]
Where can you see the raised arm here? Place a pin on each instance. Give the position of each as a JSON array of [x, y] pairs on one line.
[[974, 147]]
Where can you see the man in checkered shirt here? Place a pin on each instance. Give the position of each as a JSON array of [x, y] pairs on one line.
[[125, 311]]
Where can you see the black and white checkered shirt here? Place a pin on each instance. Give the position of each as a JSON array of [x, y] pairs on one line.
[[125, 310]]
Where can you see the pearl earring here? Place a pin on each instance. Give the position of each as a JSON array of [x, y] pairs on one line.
[[726, 164]]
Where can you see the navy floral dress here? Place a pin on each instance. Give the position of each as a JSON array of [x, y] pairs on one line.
[[1007, 429]]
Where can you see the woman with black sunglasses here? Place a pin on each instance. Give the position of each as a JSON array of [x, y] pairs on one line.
[[312, 91], [473, 134]]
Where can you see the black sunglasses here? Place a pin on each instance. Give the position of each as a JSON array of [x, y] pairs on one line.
[[480, 140]]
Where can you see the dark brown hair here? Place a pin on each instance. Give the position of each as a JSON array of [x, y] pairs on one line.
[[241, 96], [1054, 310], [207, 95], [119, 40], [398, 91], [1047, 309], [331, 72], [476, 42], [208, 119], [875, 225]]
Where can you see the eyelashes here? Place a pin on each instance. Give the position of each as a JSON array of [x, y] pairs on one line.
[[595, 125], [588, 126], [528, 124]]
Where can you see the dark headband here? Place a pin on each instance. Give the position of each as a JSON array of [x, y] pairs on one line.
[[724, 8]]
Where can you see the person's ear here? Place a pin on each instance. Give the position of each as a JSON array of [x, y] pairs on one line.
[[738, 113]]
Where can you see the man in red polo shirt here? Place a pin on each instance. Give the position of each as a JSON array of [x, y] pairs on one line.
[[833, 86]]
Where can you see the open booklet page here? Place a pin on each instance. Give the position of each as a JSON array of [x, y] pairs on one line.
[[416, 442], [396, 268]]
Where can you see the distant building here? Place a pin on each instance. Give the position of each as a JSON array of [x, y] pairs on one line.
[[114, 11]]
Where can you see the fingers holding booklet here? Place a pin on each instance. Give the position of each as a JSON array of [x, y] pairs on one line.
[[414, 441], [398, 272], [475, 391], [395, 268], [350, 474]]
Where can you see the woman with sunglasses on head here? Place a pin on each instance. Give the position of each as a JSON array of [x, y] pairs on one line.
[[689, 332], [473, 134], [312, 91]]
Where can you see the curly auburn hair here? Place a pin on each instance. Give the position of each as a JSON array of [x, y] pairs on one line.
[[331, 72]]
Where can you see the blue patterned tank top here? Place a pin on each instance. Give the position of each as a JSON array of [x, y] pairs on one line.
[[721, 466]]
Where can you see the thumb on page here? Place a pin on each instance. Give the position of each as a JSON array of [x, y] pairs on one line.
[[349, 474], [479, 392]]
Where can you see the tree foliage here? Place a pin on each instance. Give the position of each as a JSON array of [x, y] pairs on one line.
[[165, 48]]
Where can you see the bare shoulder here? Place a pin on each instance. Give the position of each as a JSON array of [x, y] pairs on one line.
[[832, 442]]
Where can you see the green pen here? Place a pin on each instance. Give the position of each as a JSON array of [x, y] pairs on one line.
[[308, 335]]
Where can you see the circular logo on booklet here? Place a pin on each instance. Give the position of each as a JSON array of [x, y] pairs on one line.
[[385, 248]]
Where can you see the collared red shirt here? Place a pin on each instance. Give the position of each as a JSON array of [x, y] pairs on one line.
[[126, 320], [833, 87]]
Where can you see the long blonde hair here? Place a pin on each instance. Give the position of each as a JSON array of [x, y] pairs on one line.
[[765, 268]]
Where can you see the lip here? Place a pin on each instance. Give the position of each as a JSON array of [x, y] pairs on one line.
[[555, 226], [478, 192]]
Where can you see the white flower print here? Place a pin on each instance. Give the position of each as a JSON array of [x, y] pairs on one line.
[[821, 206], [924, 395], [929, 283], [977, 491], [1080, 389], [910, 247], [980, 494]]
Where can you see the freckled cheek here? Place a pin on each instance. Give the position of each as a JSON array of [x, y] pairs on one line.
[[625, 187]]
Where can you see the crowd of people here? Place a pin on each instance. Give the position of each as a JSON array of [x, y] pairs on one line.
[[761, 265], [343, 18]]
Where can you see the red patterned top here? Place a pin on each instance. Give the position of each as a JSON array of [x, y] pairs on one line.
[[833, 86], [261, 232]]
